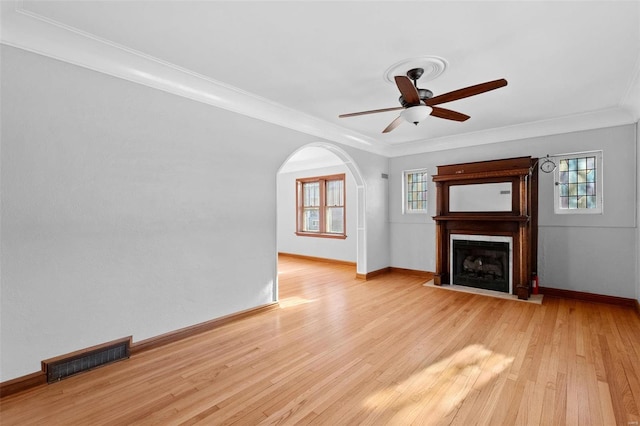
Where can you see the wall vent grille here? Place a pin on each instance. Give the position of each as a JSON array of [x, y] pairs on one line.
[[87, 359]]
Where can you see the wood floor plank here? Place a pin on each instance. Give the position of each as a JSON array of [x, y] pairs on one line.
[[383, 351]]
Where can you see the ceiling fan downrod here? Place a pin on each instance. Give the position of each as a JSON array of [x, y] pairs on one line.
[[423, 94], [414, 74]]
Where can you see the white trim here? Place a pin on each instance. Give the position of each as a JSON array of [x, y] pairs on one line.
[[610, 117]]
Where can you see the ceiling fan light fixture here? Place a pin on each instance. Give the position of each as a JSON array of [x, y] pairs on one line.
[[416, 114]]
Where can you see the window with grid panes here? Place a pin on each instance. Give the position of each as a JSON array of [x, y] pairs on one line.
[[321, 206], [578, 183], [415, 191]]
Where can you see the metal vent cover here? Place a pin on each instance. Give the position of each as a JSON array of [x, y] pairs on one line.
[[78, 362]]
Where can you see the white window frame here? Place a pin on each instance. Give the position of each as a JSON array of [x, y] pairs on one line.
[[405, 206], [599, 184]]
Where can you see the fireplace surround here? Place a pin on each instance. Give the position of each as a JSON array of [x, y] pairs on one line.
[[488, 203]]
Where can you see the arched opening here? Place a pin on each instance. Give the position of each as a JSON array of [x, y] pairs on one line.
[[319, 159]]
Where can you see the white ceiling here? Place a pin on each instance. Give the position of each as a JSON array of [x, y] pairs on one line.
[[570, 65]]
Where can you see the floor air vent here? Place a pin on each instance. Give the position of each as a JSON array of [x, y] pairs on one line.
[[87, 359]]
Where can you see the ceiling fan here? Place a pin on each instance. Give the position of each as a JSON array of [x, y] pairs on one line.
[[418, 103]]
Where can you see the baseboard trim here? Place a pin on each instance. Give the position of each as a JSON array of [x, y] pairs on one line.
[[33, 380], [19, 384], [317, 259], [422, 274], [183, 333], [373, 274], [368, 275], [590, 297], [389, 269]]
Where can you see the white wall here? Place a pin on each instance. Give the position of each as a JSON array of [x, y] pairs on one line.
[[376, 237], [638, 211], [590, 253], [128, 211], [328, 248]]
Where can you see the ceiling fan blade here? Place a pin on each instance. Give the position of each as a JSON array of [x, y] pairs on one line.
[[407, 89], [373, 111], [466, 92], [448, 114], [395, 123]]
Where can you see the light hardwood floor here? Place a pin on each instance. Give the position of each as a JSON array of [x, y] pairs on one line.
[[341, 351]]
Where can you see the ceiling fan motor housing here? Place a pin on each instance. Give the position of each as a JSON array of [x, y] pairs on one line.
[[424, 94]]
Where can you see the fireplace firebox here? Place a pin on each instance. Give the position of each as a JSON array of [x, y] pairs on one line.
[[481, 263]]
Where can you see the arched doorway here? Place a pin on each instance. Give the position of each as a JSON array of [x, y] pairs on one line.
[[321, 156]]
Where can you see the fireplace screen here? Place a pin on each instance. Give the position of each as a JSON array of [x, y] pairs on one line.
[[480, 264]]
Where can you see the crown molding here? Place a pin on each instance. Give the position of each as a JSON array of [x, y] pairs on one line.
[[587, 121], [631, 98], [35, 33]]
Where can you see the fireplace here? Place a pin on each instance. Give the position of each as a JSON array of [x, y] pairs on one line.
[[482, 261], [486, 224]]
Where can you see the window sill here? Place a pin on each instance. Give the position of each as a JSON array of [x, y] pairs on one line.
[[319, 235], [578, 211]]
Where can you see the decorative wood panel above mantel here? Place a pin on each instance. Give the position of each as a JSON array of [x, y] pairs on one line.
[[464, 175], [485, 169]]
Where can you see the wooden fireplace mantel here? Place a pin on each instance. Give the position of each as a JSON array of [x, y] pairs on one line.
[[520, 223]]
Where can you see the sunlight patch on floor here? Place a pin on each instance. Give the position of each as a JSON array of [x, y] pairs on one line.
[[431, 394], [288, 302]]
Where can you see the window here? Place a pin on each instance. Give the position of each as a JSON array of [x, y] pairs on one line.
[[414, 191], [321, 206], [578, 183]]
